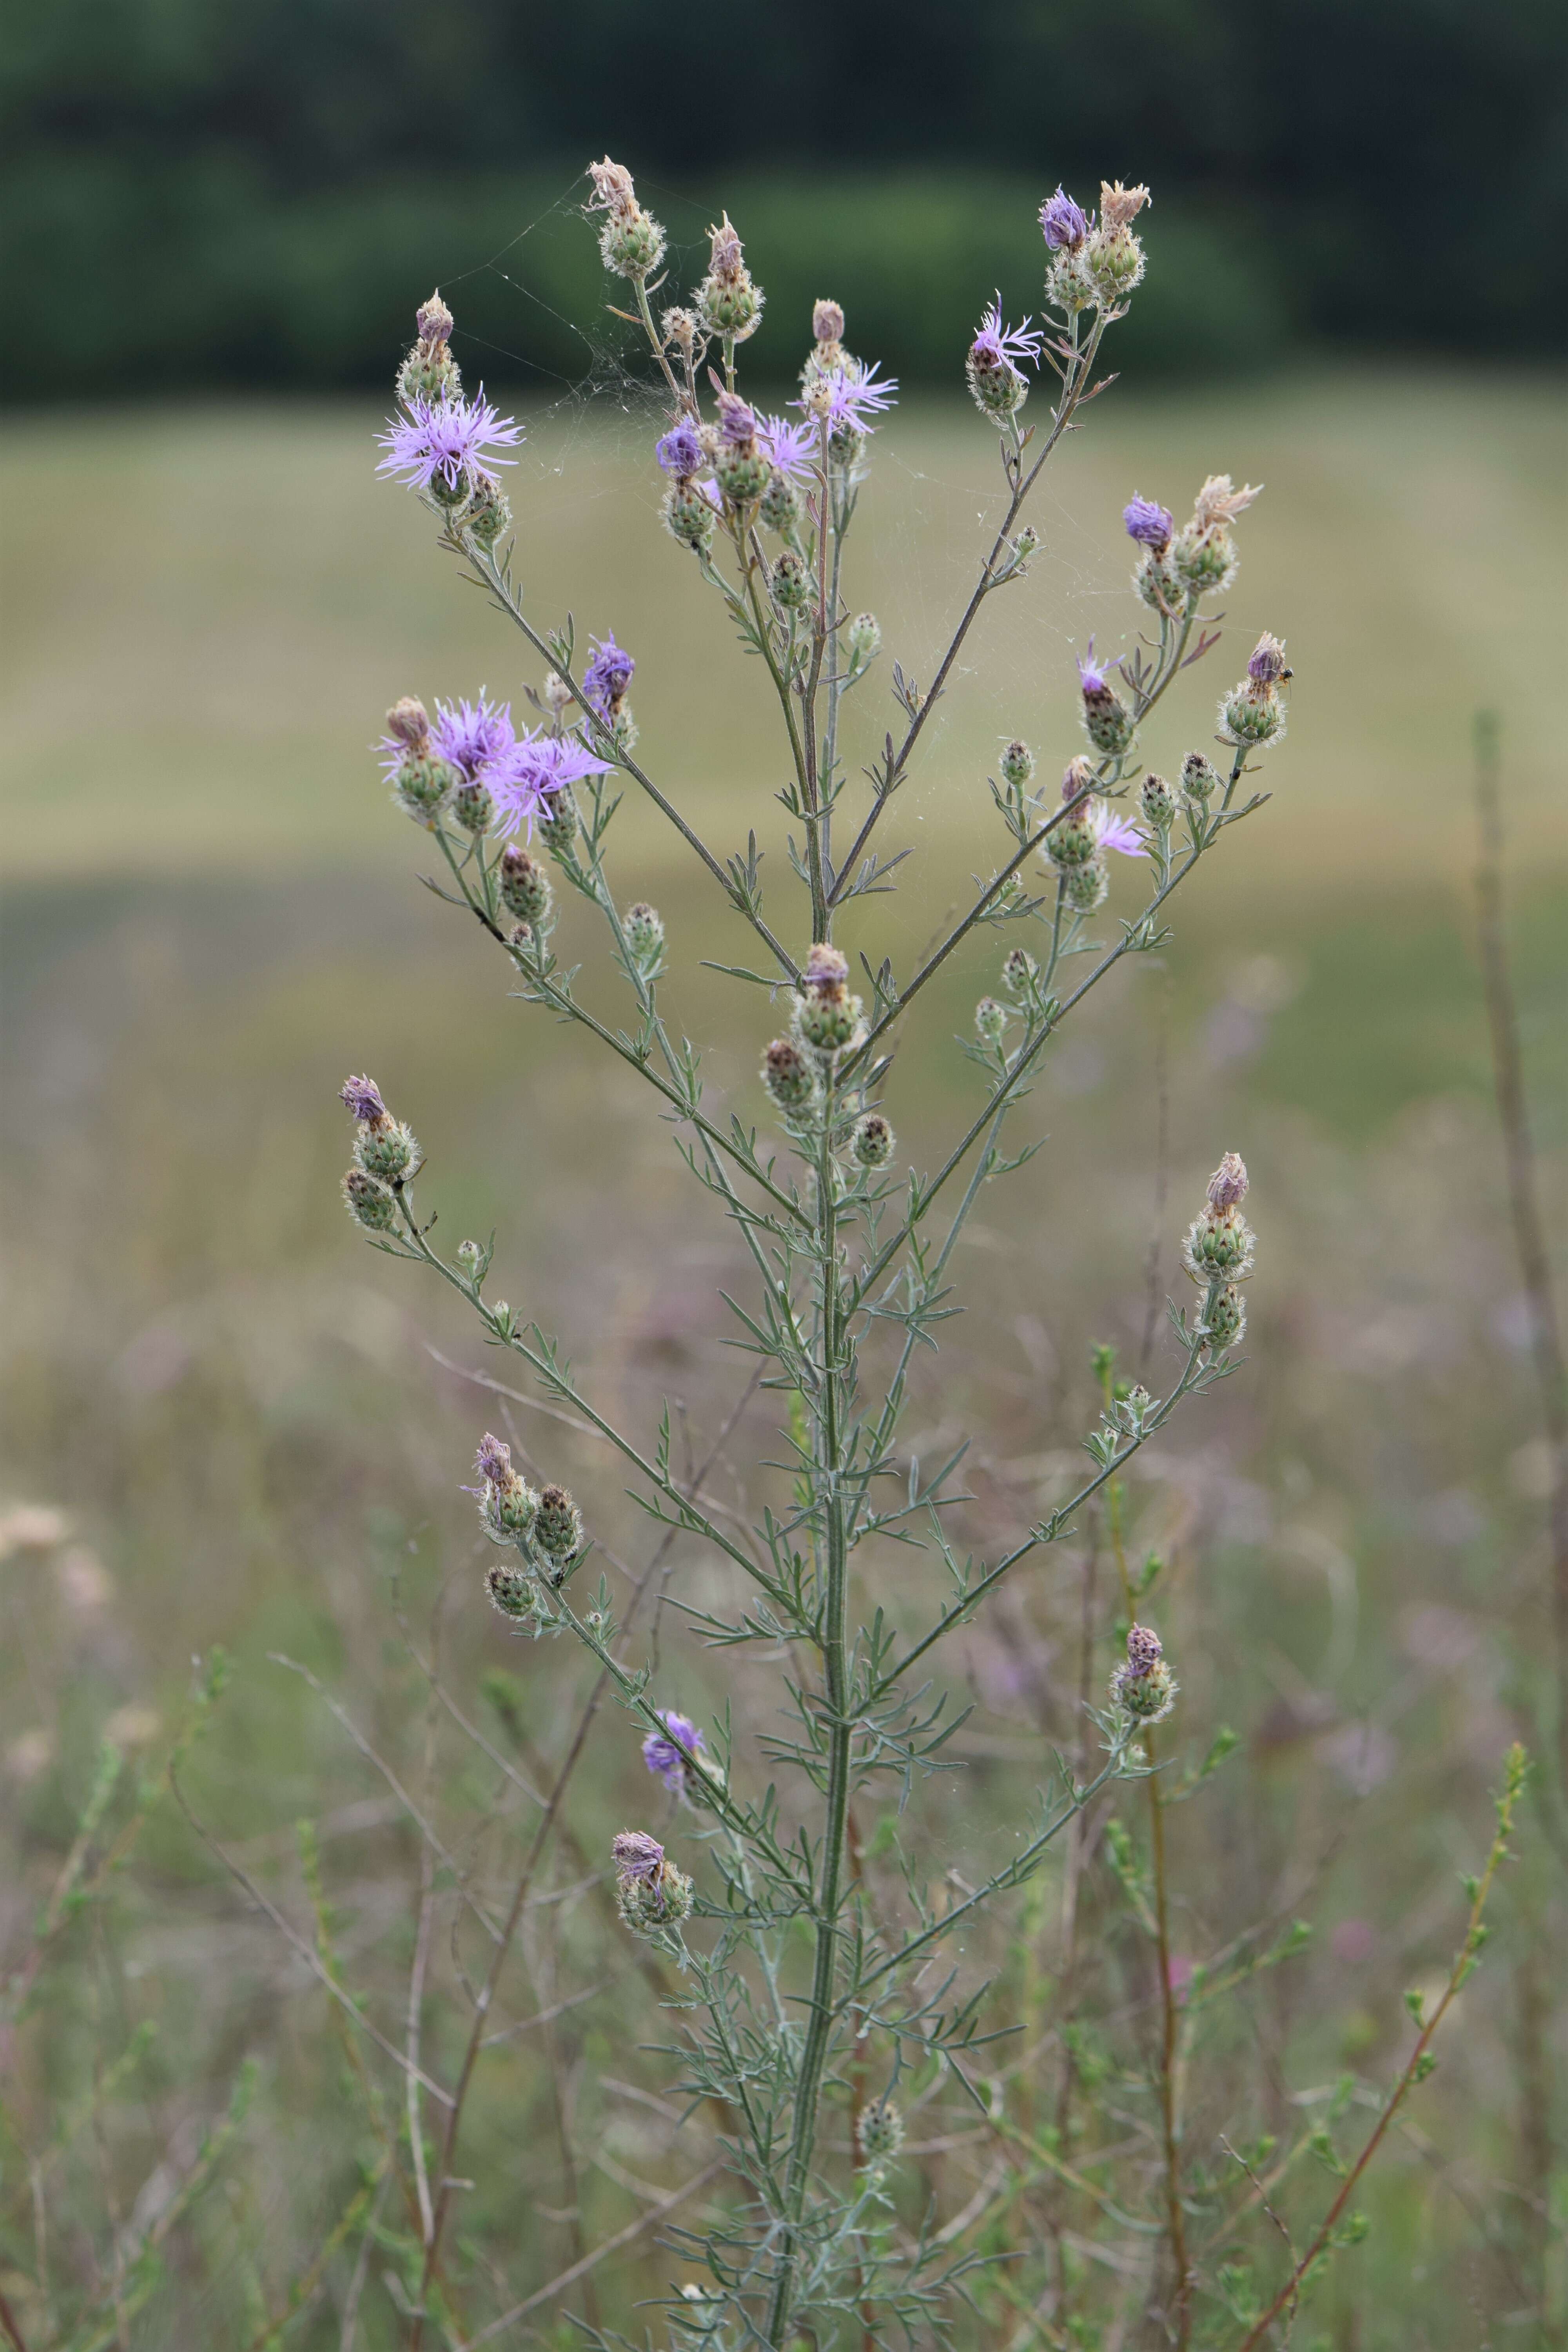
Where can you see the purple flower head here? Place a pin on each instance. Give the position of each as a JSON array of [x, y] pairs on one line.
[[1064, 223], [1148, 522], [664, 1759], [637, 1855], [1090, 672], [1267, 665], [607, 676], [1145, 1649], [362, 1097], [998, 346], [737, 419], [493, 1460], [857, 398], [680, 451], [448, 437], [472, 735], [1117, 833], [536, 767], [791, 447]]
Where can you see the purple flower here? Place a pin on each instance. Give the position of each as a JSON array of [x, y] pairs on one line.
[[664, 1759], [362, 1097], [1090, 672], [1117, 833], [1064, 222], [857, 398], [472, 735], [1148, 522], [791, 447], [448, 437], [737, 419], [638, 1856], [607, 676], [680, 451], [998, 346], [493, 1460], [537, 766]]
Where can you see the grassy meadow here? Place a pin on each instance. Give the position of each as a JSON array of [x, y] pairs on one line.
[[226, 1423]]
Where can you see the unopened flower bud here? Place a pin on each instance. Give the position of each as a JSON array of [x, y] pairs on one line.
[[507, 1503], [1107, 721], [1088, 886], [645, 933], [370, 1202], [688, 515], [557, 823], [1252, 713], [790, 581], [680, 327], [879, 2132], [1020, 972], [789, 1076], [468, 1257], [873, 1142], [1074, 837], [1144, 1685], [631, 242], [651, 1906], [780, 507], [525, 886], [1220, 1244], [1226, 1319], [558, 1528], [1113, 258], [828, 1019], [473, 810], [1159, 802], [511, 1587], [1200, 777], [556, 695], [387, 1150], [729, 302], [991, 1020], [865, 639], [827, 321], [488, 514], [1018, 765]]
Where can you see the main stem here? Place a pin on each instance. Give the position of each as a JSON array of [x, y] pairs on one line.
[[834, 1679]]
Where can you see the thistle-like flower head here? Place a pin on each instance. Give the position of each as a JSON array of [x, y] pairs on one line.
[[663, 1756], [493, 1460], [1267, 665], [1219, 501], [447, 437], [997, 346], [362, 1098], [472, 735], [532, 771], [637, 1857], [1227, 1185], [850, 397], [680, 452], [1091, 673], [1148, 522], [433, 321], [737, 420], [607, 676], [1064, 223], [792, 448]]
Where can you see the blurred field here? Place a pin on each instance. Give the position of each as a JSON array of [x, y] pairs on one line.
[[211, 914]]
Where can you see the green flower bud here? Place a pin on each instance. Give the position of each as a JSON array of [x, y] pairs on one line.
[[790, 1077], [1159, 802], [525, 886], [558, 1528], [991, 1020], [387, 1150], [1088, 886], [873, 1142], [879, 2132], [688, 515], [790, 582], [473, 808], [1017, 766], [489, 513], [369, 1202], [1200, 779], [651, 1906], [645, 934], [557, 827], [1020, 972], [780, 508]]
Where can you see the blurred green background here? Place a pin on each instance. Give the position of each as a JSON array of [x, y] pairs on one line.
[[219, 223]]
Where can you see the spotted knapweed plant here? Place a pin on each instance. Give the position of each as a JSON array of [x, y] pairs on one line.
[[811, 2004]]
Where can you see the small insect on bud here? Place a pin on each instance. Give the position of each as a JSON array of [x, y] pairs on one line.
[[631, 242], [873, 1143], [790, 581], [1017, 764], [637, 1855], [1159, 802], [991, 1019], [645, 934], [1200, 777], [1107, 721], [864, 640], [369, 1202], [525, 887], [558, 1529], [1144, 1685], [1020, 973], [488, 515], [790, 1077], [879, 2132]]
